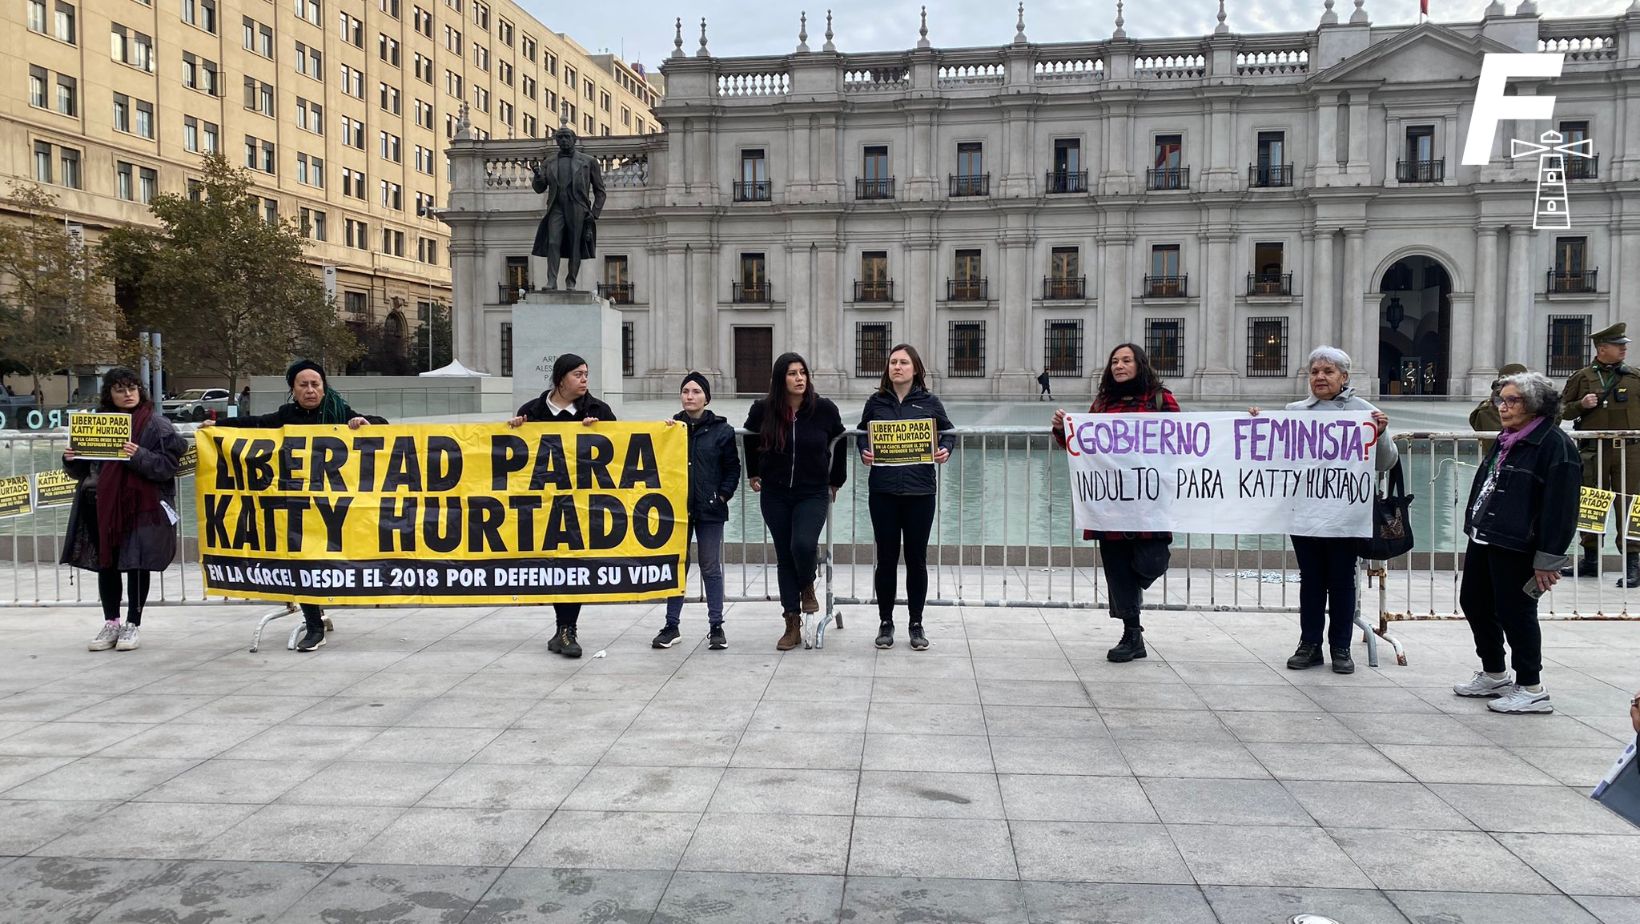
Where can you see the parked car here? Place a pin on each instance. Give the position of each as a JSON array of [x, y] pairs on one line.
[[196, 404]]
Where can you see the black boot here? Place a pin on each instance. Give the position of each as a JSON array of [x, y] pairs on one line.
[[1130, 647], [1587, 566], [563, 642], [1631, 571], [885, 634], [1342, 662], [1308, 655]]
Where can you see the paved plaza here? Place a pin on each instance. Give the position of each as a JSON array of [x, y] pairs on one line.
[[439, 765]]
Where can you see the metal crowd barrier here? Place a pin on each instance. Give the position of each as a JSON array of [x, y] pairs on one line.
[[1003, 537]]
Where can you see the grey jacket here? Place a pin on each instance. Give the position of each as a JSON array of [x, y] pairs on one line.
[[1386, 453]]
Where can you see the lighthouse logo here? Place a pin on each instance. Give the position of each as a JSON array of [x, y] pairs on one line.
[[1551, 207]]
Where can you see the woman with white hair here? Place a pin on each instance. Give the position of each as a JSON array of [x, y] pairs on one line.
[[1327, 564], [1522, 515]]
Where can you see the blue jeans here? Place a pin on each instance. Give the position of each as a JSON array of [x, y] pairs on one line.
[[709, 544]]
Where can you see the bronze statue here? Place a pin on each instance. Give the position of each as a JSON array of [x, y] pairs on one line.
[[575, 198]]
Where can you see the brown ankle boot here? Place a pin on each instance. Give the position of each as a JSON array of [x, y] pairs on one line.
[[794, 633], [810, 604]]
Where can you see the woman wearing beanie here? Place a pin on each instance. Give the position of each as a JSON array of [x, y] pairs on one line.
[[312, 401], [714, 473], [124, 515], [902, 496], [566, 401], [790, 463]]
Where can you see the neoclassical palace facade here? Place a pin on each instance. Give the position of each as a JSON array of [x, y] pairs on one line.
[[1228, 200]]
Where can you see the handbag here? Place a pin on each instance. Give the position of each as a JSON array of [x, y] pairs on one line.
[[1391, 521]]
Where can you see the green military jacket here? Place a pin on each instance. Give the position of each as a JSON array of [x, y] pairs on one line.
[[1619, 391]]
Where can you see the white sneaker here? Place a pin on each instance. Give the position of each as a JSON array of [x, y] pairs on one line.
[[1521, 700], [106, 638], [129, 639], [1482, 685]]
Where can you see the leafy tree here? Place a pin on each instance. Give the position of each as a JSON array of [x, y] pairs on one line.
[[438, 327], [56, 307], [228, 289]]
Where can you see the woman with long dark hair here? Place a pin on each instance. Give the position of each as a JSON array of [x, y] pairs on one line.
[[791, 466], [123, 521], [567, 401], [1132, 560], [902, 497], [312, 402]]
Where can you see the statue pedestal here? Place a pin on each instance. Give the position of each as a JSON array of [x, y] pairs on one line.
[[548, 324]]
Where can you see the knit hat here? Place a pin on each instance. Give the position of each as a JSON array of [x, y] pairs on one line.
[[298, 366], [700, 380]]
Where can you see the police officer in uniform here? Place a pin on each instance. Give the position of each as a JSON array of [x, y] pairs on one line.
[[1484, 418], [1606, 396]]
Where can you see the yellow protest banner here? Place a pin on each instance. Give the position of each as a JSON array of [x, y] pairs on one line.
[[1594, 505], [54, 489], [14, 496], [99, 436], [903, 442], [416, 514]]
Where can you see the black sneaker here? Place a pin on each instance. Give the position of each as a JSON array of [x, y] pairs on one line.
[[885, 634], [563, 642], [1130, 647], [1342, 662], [919, 641], [1306, 656], [667, 638], [313, 638], [715, 640]]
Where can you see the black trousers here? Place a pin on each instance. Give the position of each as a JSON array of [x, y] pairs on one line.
[[567, 614], [795, 518], [894, 516], [314, 615], [1127, 597], [1498, 608], [108, 591], [1326, 580]]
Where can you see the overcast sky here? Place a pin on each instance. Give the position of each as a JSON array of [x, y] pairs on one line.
[[641, 30]]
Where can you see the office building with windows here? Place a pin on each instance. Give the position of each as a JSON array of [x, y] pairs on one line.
[[341, 110], [1227, 200]]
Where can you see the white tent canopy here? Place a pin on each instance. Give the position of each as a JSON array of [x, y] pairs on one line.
[[455, 369]]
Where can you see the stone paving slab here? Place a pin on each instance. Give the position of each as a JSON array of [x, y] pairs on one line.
[[440, 765]]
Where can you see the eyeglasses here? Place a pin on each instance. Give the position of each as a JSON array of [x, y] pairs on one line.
[[1516, 401], [125, 387]]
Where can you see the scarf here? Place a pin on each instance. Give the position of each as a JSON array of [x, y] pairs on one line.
[[1506, 441], [1508, 438], [125, 499]]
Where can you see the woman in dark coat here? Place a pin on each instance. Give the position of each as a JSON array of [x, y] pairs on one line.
[[902, 497], [312, 401], [1521, 516], [1131, 561], [714, 473], [790, 463], [567, 401], [124, 515]]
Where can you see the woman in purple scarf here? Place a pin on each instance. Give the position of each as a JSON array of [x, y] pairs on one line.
[[1521, 516]]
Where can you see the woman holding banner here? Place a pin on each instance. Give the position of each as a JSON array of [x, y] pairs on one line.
[[567, 401], [124, 515], [1521, 516], [312, 402], [1132, 561], [714, 473], [1326, 564], [790, 464], [901, 496]]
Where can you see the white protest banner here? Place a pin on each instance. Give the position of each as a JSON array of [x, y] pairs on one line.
[[1294, 473]]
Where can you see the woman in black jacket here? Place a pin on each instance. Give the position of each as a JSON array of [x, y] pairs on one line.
[[312, 402], [714, 473], [1521, 516], [901, 497], [124, 515], [790, 464], [567, 401]]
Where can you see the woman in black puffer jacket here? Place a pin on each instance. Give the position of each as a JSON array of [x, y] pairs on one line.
[[714, 473]]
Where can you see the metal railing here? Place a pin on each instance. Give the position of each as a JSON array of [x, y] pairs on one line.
[[751, 293], [510, 294], [1269, 283], [1269, 175], [1583, 168], [752, 191], [1563, 283], [967, 289], [1167, 177], [978, 184], [1420, 171], [618, 292], [1167, 286], [871, 291], [1064, 287], [1066, 181], [874, 187]]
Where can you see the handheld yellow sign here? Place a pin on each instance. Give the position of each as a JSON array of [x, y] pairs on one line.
[[482, 513], [1594, 505], [99, 436], [14, 496], [54, 489], [903, 442]]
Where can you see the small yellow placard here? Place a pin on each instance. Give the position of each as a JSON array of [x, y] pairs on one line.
[[54, 489], [1594, 505], [903, 442], [99, 436], [14, 496]]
